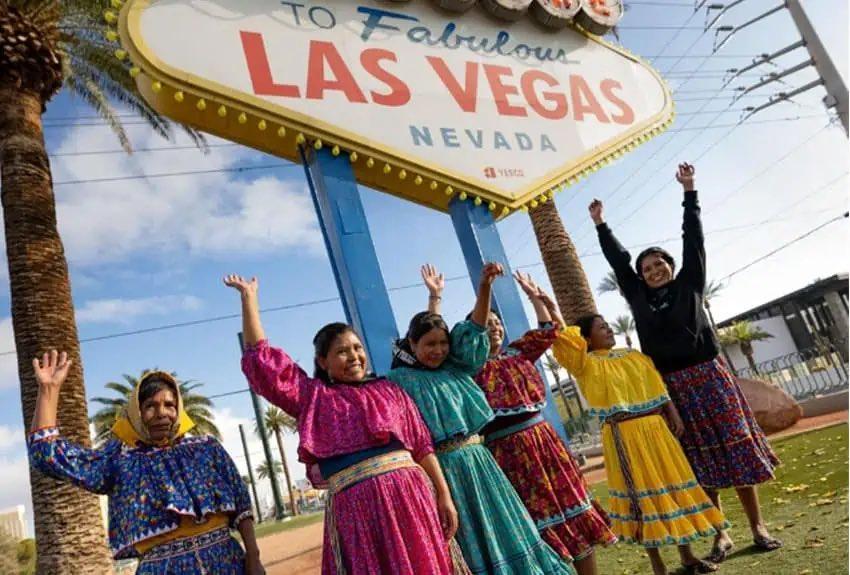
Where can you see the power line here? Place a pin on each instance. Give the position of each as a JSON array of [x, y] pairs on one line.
[[177, 174], [784, 246], [139, 150]]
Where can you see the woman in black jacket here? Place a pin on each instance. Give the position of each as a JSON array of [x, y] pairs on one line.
[[723, 442]]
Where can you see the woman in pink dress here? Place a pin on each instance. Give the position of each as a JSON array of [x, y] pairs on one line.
[[362, 438]]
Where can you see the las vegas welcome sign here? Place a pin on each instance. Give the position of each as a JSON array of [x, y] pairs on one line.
[[425, 103]]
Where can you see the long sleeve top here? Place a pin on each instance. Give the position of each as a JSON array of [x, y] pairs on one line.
[[152, 490], [612, 381], [336, 419], [450, 402], [671, 321], [510, 380]]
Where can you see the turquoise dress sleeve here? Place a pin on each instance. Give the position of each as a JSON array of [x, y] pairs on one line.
[[470, 347]]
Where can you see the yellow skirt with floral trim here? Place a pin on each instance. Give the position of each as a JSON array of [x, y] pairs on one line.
[[675, 509]]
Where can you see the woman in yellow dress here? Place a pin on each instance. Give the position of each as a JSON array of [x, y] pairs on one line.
[[654, 498]]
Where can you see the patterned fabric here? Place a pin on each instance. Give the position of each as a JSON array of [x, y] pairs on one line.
[[674, 509], [510, 380], [450, 402], [213, 553], [150, 488], [723, 442], [495, 531], [339, 418], [549, 482], [612, 381], [376, 534], [379, 535]]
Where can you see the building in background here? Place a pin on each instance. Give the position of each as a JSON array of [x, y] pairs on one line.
[[12, 522], [807, 354]]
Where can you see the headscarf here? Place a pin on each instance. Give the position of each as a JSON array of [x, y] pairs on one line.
[[129, 426]]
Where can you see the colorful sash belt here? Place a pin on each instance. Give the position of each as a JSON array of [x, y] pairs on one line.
[[185, 545], [614, 422], [455, 444]]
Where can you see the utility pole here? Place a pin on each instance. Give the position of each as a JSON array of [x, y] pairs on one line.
[[267, 450], [251, 474], [833, 82]]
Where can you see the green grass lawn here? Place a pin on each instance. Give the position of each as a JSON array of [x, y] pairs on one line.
[[272, 527], [806, 506]]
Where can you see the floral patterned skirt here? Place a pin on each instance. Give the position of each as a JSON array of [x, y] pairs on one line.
[[212, 553], [549, 482], [723, 442]]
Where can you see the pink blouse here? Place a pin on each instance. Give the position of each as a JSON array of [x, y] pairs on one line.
[[336, 419]]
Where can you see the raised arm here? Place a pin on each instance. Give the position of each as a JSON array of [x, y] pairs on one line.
[[270, 371], [693, 240], [485, 289], [435, 282], [618, 257], [532, 292], [91, 469]]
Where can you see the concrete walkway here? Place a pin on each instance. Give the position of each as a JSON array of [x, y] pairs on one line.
[[299, 551]]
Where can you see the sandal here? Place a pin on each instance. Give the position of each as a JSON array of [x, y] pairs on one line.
[[766, 543], [701, 566], [720, 553]]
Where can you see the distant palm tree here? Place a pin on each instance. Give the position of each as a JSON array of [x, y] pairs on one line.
[[608, 284], [263, 471], [624, 325], [743, 333], [197, 407], [279, 423]]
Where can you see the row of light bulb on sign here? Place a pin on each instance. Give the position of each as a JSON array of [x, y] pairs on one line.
[[300, 139]]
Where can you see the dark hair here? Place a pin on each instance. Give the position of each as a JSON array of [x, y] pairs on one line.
[[322, 342], [423, 322], [152, 385], [494, 312], [585, 323], [665, 255]]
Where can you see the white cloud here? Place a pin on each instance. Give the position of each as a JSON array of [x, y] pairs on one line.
[[10, 437], [205, 214], [8, 363], [15, 485], [126, 310]]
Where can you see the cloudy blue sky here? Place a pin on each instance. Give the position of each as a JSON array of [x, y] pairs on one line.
[[149, 252]]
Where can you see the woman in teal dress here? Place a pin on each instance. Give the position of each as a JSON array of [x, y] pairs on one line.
[[436, 368]]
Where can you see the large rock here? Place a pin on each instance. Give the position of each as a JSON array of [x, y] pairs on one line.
[[773, 408]]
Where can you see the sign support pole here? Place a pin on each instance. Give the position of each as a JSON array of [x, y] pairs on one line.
[[352, 253], [480, 242]]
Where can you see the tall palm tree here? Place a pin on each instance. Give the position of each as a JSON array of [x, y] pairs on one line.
[[624, 325], [563, 267], [608, 284], [279, 423], [45, 45], [263, 471], [743, 333], [196, 405]]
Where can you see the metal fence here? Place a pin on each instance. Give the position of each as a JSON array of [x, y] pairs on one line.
[[805, 374]]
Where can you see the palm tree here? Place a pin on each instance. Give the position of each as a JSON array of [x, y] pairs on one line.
[[563, 267], [196, 406], [712, 290], [624, 325], [743, 333], [608, 284], [45, 45], [278, 422], [263, 471]]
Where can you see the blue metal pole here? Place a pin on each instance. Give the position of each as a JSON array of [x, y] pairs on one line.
[[480, 243], [352, 253]]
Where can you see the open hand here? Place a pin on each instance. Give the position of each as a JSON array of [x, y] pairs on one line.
[[240, 284], [434, 280], [52, 370], [253, 566], [448, 516], [685, 176], [528, 285], [595, 209], [490, 272]]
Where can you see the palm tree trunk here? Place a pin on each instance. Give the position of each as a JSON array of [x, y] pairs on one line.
[[292, 502], [69, 531], [629, 341], [560, 257]]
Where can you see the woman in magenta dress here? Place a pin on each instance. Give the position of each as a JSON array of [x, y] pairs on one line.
[[525, 445], [362, 438]]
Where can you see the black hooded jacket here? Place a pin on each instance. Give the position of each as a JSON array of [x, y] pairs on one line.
[[671, 321]]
